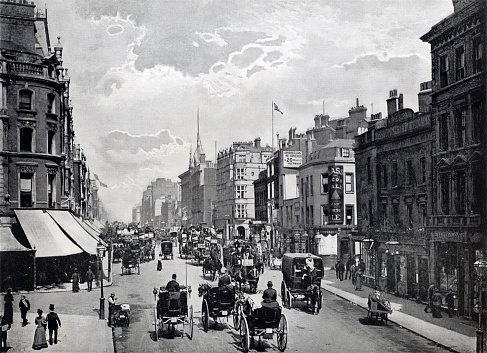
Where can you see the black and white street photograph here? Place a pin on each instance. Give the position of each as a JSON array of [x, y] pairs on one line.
[[200, 176]]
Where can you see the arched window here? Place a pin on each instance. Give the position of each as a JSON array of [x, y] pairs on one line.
[[25, 99]]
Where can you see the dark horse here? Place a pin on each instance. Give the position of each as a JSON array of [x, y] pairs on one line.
[[212, 266]]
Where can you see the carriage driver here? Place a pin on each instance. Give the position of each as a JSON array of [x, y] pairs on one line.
[[309, 272], [270, 297], [172, 285], [224, 280]]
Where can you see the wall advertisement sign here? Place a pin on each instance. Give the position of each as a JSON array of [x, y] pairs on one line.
[[292, 159], [335, 183]]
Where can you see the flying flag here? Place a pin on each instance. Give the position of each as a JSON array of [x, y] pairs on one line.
[[103, 184], [96, 177], [277, 108]]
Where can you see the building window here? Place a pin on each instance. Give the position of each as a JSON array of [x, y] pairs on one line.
[[324, 183], [26, 139], [395, 213], [302, 188], [240, 158], [394, 174], [311, 185], [460, 192], [345, 152], [422, 215], [349, 182], [409, 209], [371, 213], [51, 185], [50, 141], [443, 132], [324, 215], [369, 170], [477, 122], [384, 179], [477, 55], [306, 187], [385, 215], [239, 173], [445, 194], [240, 191], [25, 99], [410, 178], [460, 62], [422, 169], [51, 106], [349, 214], [444, 70], [26, 189], [241, 211], [460, 126]]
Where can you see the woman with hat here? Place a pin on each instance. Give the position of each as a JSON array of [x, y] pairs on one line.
[[40, 333]]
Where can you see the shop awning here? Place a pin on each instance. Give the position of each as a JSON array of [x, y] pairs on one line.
[[44, 235], [98, 224], [8, 242], [75, 231]]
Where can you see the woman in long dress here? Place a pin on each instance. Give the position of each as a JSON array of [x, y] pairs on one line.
[[40, 333], [75, 280], [9, 307]]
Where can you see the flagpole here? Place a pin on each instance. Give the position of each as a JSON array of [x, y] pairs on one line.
[[272, 128]]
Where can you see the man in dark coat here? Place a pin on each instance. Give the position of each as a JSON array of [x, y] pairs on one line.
[[270, 297], [24, 307], [90, 276], [53, 324], [172, 285], [224, 280]]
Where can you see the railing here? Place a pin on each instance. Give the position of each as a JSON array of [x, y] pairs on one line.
[[21, 68], [472, 220]]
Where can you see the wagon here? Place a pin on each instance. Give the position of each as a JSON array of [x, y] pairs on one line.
[[302, 274], [166, 249], [263, 323], [121, 315], [218, 303], [130, 262], [171, 311], [379, 307]]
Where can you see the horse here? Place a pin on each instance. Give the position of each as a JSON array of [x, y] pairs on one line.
[[203, 288], [212, 266]]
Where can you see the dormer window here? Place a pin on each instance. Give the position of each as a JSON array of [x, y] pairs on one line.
[[25, 99]]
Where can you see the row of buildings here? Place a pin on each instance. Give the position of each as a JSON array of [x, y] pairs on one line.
[[405, 192], [42, 169]]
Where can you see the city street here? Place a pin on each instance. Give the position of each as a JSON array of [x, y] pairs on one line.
[[340, 326]]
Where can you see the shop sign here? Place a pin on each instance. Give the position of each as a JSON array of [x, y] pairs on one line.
[[292, 159], [335, 183]]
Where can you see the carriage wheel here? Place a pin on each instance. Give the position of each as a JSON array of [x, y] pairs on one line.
[[206, 316], [156, 333], [320, 301], [289, 300], [282, 334], [244, 334], [236, 315], [283, 293], [191, 324]]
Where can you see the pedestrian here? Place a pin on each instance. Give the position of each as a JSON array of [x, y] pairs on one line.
[[112, 301], [450, 302], [9, 307], [431, 291], [159, 265], [436, 308], [348, 270], [75, 279], [40, 333], [341, 269], [358, 278], [4, 327], [24, 306], [336, 267], [53, 324], [90, 276], [353, 270]]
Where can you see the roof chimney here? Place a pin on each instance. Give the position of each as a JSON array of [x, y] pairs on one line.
[[257, 142], [392, 102], [400, 102]]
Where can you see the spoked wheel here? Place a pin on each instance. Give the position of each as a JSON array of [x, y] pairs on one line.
[[289, 300], [283, 293], [244, 334], [320, 301], [205, 318], [282, 334], [191, 324], [236, 315]]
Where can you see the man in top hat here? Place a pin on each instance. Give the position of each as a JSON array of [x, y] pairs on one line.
[[90, 276], [53, 323], [270, 297]]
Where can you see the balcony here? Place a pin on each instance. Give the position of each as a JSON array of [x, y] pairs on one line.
[[25, 69], [470, 220]]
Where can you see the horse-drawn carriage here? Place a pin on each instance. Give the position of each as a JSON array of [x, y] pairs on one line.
[[166, 249], [218, 302], [263, 323], [302, 274], [121, 315], [171, 310], [130, 262]]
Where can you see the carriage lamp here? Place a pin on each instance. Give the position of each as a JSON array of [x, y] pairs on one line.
[[100, 250], [480, 267]]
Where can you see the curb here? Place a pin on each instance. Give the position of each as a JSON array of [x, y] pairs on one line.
[[439, 344]]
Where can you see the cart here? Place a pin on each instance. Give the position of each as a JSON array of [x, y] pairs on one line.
[[171, 311], [121, 315], [218, 303], [130, 262], [302, 274], [262, 323], [379, 308], [166, 250]]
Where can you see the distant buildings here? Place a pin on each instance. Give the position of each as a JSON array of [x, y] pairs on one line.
[[160, 202]]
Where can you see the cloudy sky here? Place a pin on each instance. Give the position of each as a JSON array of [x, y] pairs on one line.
[[139, 70]]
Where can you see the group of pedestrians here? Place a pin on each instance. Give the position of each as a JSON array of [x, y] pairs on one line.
[[352, 268], [89, 277], [50, 322]]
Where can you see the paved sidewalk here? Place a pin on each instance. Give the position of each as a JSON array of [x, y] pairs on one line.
[[455, 334]]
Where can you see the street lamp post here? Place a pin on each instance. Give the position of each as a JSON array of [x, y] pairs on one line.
[[100, 249], [480, 267]]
